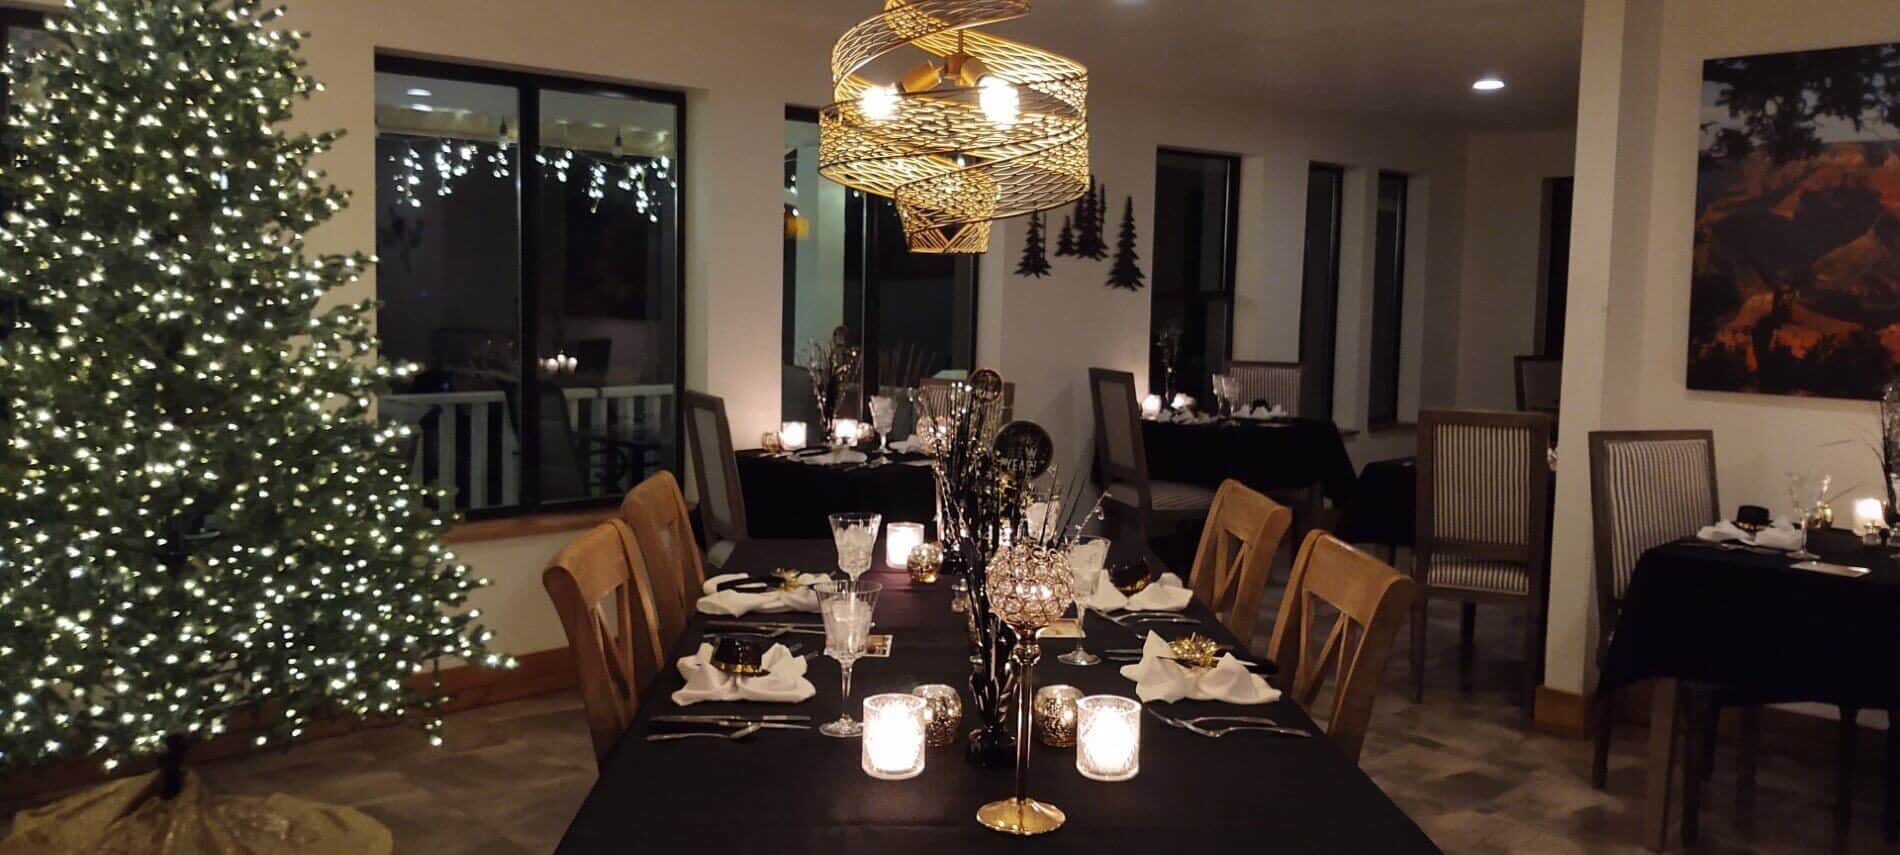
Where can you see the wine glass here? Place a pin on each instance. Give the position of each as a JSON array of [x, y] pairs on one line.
[[855, 536], [1086, 559], [884, 419], [846, 607], [1798, 500]]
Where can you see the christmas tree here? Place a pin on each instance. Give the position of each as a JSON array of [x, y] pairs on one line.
[[199, 519], [1090, 213], [1035, 259], [1065, 241], [1125, 273]]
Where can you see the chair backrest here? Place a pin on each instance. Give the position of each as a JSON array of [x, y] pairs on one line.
[[715, 468], [1120, 456], [1646, 488], [600, 589], [1273, 382], [1484, 488], [656, 511], [1370, 600], [1540, 382], [943, 384], [1238, 544]]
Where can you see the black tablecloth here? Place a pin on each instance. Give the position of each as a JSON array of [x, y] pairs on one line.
[[1384, 504], [802, 792], [788, 499], [1288, 453], [1748, 621]]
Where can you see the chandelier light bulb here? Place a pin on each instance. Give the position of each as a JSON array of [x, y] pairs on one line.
[[1000, 101], [879, 103]]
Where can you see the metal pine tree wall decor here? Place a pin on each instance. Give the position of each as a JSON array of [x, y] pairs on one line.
[[1065, 242], [1126, 272], [1088, 223], [1035, 250]]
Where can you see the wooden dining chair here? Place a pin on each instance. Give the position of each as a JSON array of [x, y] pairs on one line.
[[1238, 544], [715, 474], [1540, 382], [656, 512], [600, 589], [1134, 504], [1483, 527], [1273, 382], [1365, 601]]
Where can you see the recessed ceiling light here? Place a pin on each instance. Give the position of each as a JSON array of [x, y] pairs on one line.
[[420, 93], [1488, 83], [422, 108]]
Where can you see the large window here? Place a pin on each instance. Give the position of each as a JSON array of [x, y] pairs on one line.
[[528, 233], [1319, 290], [1388, 299], [1197, 198], [846, 265]]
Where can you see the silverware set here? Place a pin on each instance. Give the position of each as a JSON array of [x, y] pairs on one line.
[[766, 629], [742, 726], [1243, 724], [1133, 654], [1133, 618]]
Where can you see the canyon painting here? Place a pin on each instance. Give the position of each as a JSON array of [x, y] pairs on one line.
[[1796, 287]]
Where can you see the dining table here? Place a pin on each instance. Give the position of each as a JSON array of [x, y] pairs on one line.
[[1265, 454], [788, 497], [1748, 620], [798, 791]]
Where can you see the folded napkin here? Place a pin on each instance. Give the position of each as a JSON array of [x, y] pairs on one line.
[[1778, 536], [1166, 594], [1186, 417], [1260, 412], [775, 600], [834, 457], [1157, 678], [908, 446], [785, 684]]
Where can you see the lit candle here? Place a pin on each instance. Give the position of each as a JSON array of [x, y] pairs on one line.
[[893, 736], [1183, 401], [791, 435], [1108, 737], [846, 431], [1151, 407], [899, 539], [1869, 515]]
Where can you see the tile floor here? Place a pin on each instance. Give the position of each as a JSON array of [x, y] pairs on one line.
[[1463, 765]]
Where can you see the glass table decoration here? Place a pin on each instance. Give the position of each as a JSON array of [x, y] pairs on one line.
[[846, 432], [1087, 558], [791, 436], [855, 535], [900, 540], [1029, 586], [894, 728], [1108, 737], [846, 607], [943, 713], [883, 419], [925, 563], [1056, 715]]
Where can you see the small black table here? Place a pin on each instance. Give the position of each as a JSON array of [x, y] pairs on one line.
[[785, 498], [797, 791], [1265, 455], [1749, 622]]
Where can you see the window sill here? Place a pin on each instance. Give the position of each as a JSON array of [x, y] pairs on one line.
[[531, 525]]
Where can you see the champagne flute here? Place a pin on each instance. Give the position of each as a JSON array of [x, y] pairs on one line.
[[1086, 560], [855, 535], [847, 608]]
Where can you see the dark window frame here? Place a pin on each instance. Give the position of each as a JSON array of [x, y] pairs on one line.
[[1375, 417], [528, 87], [1317, 378], [1230, 255], [857, 263]]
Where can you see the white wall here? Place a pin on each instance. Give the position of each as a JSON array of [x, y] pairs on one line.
[[1503, 257], [1625, 343]]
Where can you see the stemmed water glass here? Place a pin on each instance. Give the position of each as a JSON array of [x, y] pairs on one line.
[[1798, 500], [855, 536], [884, 419], [846, 607], [1086, 560]]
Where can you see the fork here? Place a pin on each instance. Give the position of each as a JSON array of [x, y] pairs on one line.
[[1193, 725], [734, 736]]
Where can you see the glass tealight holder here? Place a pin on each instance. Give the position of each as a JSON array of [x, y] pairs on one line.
[[769, 442], [792, 435], [894, 736], [1108, 737], [900, 539], [943, 713], [1055, 713]]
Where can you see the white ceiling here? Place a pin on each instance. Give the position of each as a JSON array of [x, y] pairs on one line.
[[1410, 59]]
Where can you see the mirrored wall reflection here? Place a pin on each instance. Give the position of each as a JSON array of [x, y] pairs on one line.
[[847, 265], [528, 236]]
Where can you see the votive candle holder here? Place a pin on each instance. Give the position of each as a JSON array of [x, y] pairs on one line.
[[1056, 713], [1108, 737], [893, 736], [943, 713]]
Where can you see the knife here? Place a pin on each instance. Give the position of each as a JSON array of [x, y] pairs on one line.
[[749, 719]]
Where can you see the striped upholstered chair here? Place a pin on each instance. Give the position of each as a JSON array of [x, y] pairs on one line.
[[1273, 382], [1483, 526]]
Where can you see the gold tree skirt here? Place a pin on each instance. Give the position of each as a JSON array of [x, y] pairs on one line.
[[126, 818]]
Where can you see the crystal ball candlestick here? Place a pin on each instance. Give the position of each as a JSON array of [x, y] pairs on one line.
[[1029, 587]]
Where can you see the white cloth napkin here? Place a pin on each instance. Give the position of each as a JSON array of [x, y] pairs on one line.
[[1778, 536], [1187, 417], [1258, 413], [1159, 679], [785, 684], [1165, 594], [834, 457], [909, 445], [773, 601]]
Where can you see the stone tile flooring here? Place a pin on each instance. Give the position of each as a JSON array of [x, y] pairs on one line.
[[1464, 766]]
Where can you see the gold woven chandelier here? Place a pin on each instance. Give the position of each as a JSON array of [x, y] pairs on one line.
[[995, 129]]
